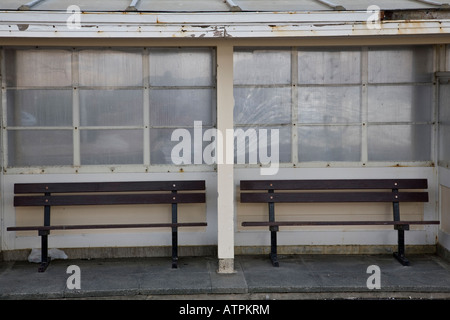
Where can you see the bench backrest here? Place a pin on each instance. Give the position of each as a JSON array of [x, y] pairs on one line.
[[321, 186], [105, 193]]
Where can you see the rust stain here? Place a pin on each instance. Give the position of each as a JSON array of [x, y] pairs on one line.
[[217, 32], [23, 27]]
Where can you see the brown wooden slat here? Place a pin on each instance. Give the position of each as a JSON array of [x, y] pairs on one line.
[[127, 186], [334, 184], [331, 223], [108, 226], [108, 199], [334, 197]]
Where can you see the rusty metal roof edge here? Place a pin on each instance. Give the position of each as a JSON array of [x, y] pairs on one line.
[[226, 18], [388, 28], [30, 24]]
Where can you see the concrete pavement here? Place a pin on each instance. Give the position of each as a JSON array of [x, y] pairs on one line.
[[298, 277]]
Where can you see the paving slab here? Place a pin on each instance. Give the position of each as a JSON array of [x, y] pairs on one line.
[[297, 277]]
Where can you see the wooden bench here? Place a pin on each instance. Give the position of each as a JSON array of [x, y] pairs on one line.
[[107, 193], [325, 191]]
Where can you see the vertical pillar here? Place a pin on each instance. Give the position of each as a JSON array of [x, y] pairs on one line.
[[225, 180]]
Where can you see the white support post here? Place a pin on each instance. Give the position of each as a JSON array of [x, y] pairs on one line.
[[225, 180]]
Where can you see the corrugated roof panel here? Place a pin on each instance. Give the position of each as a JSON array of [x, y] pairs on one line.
[[280, 5], [221, 5], [85, 5], [183, 6], [384, 4], [11, 4]]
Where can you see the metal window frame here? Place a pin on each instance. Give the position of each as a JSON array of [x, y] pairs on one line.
[[146, 166], [364, 123], [76, 128], [441, 78]]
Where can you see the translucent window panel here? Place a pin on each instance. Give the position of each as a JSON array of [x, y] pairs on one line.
[[249, 146], [399, 142], [111, 147], [181, 107], [262, 105], [39, 107], [329, 143], [194, 147], [188, 146], [444, 103], [111, 107], [262, 67], [444, 122], [401, 64], [181, 67], [110, 68], [399, 103], [37, 67], [444, 145], [40, 147], [329, 104], [448, 58], [329, 67]]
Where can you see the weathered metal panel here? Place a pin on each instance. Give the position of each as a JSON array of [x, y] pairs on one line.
[[386, 4], [218, 5], [239, 25]]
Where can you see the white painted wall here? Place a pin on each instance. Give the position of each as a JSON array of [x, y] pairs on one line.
[[361, 235], [105, 214], [444, 230]]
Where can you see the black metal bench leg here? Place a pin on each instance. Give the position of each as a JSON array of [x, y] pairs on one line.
[[273, 247], [273, 235], [174, 248], [174, 235], [400, 255], [45, 259]]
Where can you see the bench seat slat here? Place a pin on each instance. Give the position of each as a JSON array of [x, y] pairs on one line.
[[332, 223], [126, 186], [334, 184], [108, 226], [334, 197], [108, 199]]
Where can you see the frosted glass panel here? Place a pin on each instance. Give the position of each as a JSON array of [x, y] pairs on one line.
[[444, 103], [448, 57], [39, 107], [188, 145], [262, 67], [248, 146], [444, 138], [329, 143], [40, 147], [262, 105], [399, 103], [181, 107], [399, 142], [329, 104], [401, 64], [111, 146], [111, 107], [39, 68], [181, 67], [329, 67], [110, 68], [444, 122]]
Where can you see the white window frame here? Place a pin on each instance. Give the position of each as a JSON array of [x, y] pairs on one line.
[[76, 127], [364, 84]]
